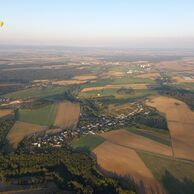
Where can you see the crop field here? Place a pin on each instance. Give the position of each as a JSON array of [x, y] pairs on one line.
[[151, 136], [133, 86], [85, 77], [6, 112], [21, 130], [124, 161], [132, 140], [111, 74], [132, 80], [67, 115], [68, 82], [180, 122], [149, 75], [36, 93], [42, 116], [178, 66], [87, 143], [170, 172]]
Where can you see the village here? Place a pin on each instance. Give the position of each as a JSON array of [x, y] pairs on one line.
[[98, 125]]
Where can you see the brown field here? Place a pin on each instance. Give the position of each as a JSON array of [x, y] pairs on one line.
[[126, 162], [176, 65], [21, 130], [113, 74], [6, 112], [40, 81], [149, 75], [133, 86], [131, 140], [67, 115], [180, 122], [85, 77], [115, 110], [68, 82], [182, 80]]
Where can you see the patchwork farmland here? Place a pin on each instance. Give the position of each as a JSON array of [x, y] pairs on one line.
[[180, 123]]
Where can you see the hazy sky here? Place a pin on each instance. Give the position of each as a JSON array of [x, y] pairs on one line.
[[118, 23]]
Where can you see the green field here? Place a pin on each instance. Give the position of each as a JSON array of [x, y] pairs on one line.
[[176, 176], [117, 81], [42, 116], [137, 94], [132, 80], [87, 143], [149, 136], [98, 83], [36, 93]]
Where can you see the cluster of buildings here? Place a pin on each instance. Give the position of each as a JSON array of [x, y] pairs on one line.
[[55, 140], [138, 110]]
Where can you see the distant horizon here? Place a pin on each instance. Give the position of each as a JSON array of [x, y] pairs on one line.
[[92, 47], [98, 23]]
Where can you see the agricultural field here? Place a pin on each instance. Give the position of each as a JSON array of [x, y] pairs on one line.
[[117, 86], [123, 161], [6, 112], [108, 105], [87, 143], [150, 135], [115, 92], [152, 76], [170, 172], [67, 115], [131, 140], [35, 93], [180, 123], [21, 130], [40, 116]]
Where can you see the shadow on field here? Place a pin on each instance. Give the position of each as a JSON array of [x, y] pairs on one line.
[[176, 186]]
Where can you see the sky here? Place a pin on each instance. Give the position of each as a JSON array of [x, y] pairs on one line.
[[111, 23]]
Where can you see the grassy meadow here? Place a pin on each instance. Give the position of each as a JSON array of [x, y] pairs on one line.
[[42, 116]]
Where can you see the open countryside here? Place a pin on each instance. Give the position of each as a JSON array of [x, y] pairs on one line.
[[180, 122]]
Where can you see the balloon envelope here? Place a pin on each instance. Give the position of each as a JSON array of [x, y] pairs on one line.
[[1, 23]]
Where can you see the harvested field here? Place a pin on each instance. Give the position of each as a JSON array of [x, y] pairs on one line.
[[131, 140], [149, 75], [67, 115], [126, 162], [176, 66], [111, 74], [6, 112], [179, 79], [68, 82], [133, 86], [180, 122], [85, 77], [21, 130], [115, 110]]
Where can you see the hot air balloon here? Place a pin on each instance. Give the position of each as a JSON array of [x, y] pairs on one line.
[[1, 23]]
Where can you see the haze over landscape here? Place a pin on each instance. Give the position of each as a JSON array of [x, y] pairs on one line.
[[112, 23], [96, 97]]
